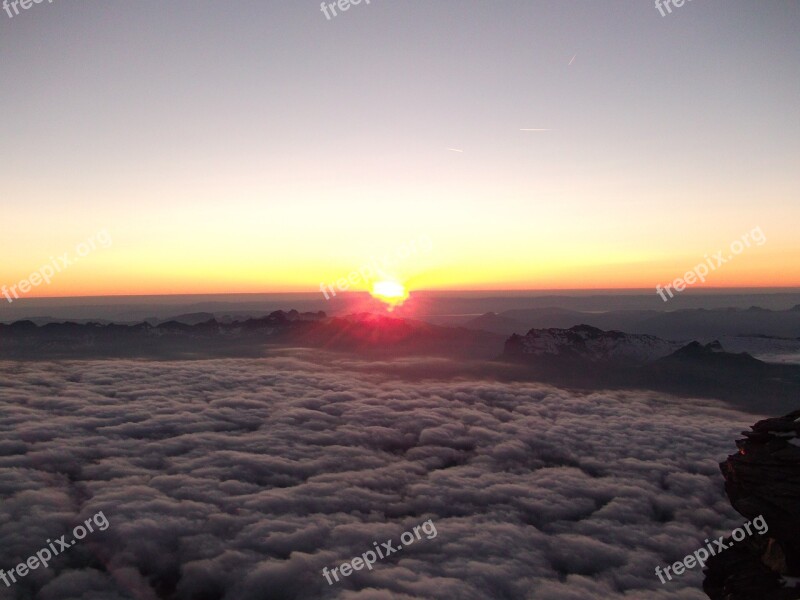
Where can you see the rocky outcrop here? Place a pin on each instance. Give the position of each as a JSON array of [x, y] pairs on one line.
[[587, 343], [763, 478]]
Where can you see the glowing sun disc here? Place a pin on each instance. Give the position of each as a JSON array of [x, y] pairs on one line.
[[390, 292]]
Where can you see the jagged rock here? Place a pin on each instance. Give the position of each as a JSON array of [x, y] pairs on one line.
[[763, 478], [589, 343]]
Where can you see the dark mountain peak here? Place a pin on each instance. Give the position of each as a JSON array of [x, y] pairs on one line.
[[697, 350], [497, 323], [488, 317], [174, 326], [190, 318], [713, 353], [590, 331], [20, 326], [757, 309], [692, 348]]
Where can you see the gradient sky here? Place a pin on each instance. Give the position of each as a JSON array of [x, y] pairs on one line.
[[255, 146]]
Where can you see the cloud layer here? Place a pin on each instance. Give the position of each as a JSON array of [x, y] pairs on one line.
[[242, 479]]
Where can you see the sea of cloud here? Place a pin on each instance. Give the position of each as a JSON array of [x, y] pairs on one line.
[[242, 479]]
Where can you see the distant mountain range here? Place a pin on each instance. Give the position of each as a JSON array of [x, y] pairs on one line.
[[675, 325], [582, 357], [587, 357], [437, 308], [188, 336]]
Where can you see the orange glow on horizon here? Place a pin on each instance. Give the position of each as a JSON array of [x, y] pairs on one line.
[[208, 287], [128, 275]]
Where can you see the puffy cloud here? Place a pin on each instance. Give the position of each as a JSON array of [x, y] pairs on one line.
[[242, 479]]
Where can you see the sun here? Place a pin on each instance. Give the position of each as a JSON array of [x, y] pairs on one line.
[[389, 292]]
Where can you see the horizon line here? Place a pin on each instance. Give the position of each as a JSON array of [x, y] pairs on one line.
[[648, 290]]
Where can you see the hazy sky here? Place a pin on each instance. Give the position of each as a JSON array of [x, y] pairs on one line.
[[258, 146]]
